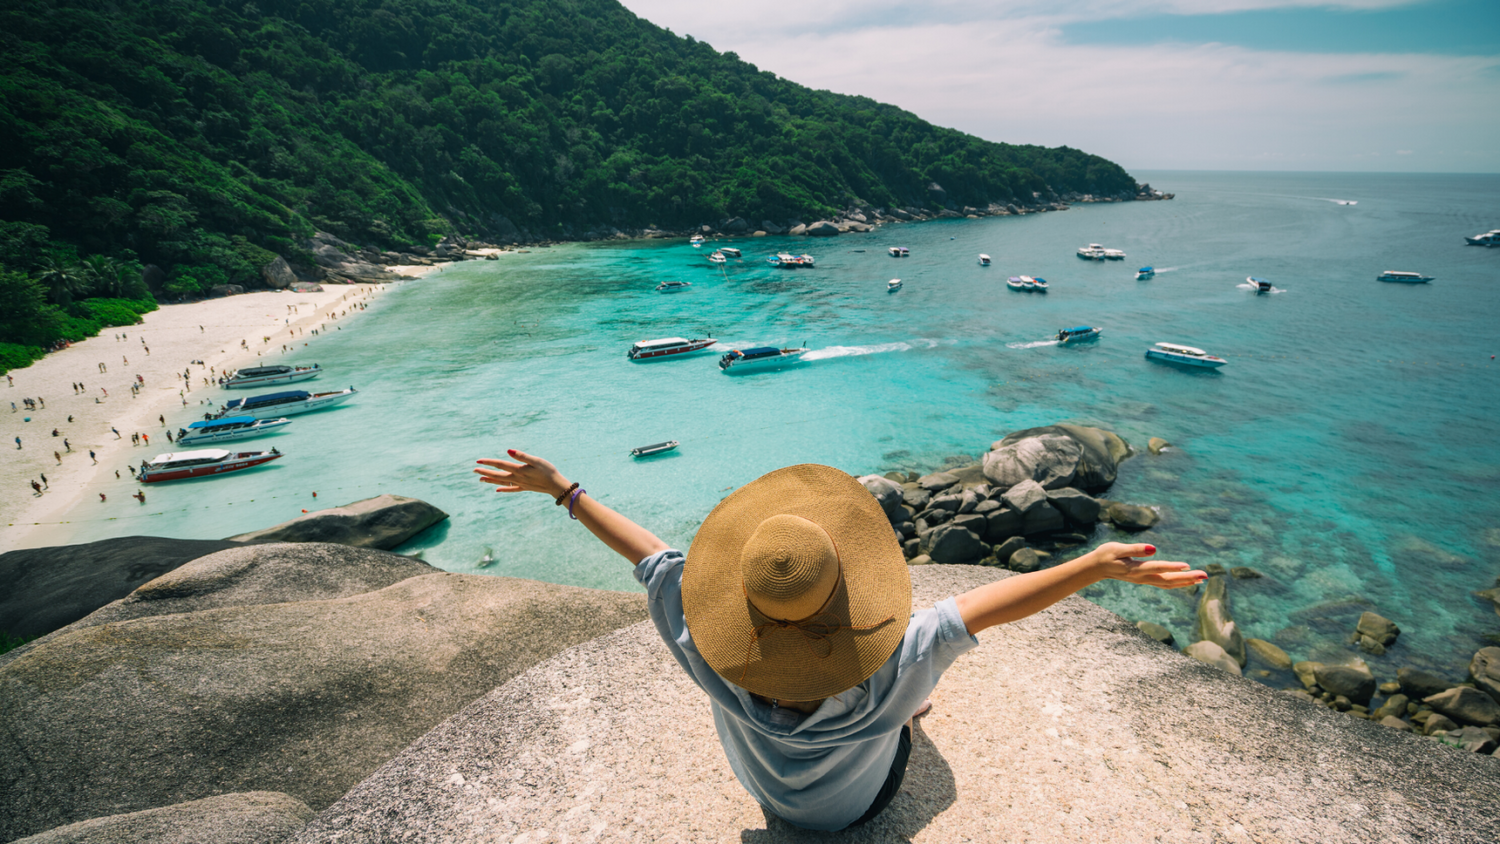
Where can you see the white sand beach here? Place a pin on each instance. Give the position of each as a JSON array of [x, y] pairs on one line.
[[107, 366]]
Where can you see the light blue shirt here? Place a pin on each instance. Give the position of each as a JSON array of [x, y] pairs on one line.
[[818, 771]]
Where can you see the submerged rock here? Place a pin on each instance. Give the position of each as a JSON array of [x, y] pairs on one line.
[[1210, 653], [384, 522], [1216, 624], [1156, 445], [1418, 684], [1269, 654], [1131, 517], [1156, 631], [1377, 628]]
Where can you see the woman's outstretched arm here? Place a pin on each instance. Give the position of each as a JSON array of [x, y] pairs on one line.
[[1016, 597], [528, 473]]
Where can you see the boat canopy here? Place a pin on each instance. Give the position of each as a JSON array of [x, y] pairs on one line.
[[759, 351], [205, 455], [664, 341], [1186, 350], [1082, 329], [269, 398], [1146, 270], [257, 371], [222, 423]]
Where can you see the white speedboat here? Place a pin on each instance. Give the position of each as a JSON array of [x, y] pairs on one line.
[[899, 251], [1021, 282], [893, 285], [1489, 238], [1145, 273], [1114, 254], [1260, 284], [1185, 355], [673, 286], [717, 256], [1039, 285], [696, 240], [984, 260], [1080, 334], [274, 405], [270, 376], [788, 261], [730, 251], [178, 465], [760, 357], [666, 347], [1403, 278], [1092, 252], [654, 448], [232, 428]]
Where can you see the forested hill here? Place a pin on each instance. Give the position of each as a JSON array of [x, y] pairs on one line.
[[203, 135]]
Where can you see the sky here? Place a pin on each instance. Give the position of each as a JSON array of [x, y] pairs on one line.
[[1323, 85]]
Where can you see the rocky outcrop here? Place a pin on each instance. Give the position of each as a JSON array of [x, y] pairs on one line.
[[342, 260], [887, 492], [278, 274], [1375, 633], [1466, 706], [1209, 653], [1096, 714], [49, 588], [305, 697], [1216, 624], [255, 817], [1093, 470], [384, 522], [1484, 670], [822, 228]]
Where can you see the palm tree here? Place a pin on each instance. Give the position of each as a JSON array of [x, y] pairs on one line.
[[63, 281]]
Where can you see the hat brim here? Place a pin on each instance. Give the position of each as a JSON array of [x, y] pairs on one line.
[[872, 604]]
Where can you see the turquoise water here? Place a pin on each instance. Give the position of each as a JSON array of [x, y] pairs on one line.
[[1352, 416]]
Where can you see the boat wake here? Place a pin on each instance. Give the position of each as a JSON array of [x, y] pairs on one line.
[[1339, 201], [1160, 270], [855, 351], [1032, 345]]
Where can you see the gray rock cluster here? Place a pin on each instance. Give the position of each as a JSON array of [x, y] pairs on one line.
[[383, 522], [1031, 487]]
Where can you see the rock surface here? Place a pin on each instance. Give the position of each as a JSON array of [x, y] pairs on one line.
[[1131, 517], [1269, 654], [1102, 451], [1466, 706], [1050, 460], [1092, 747], [254, 817], [1354, 682], [305, 698], [1209, 653], [1216, 624], [383, 522], [1484, 669], [50, 588], [887, 492]]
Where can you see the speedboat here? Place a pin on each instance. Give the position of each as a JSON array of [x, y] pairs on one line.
[[730, 251], [269, 376], [223, 430], [273, 405], [1092, 252], [654, 448], [760, 357], [1260, 284], [1403, 278], [1186, 355], [788, 261], [672, 286], [177, 465], [899, 251], [1114, 254], [984, 260], [1021, 282], [893, 285], [717, 257], [696, 240], [1489, 238], [1144, 273], [1080, 334], [1040, 285], [666, 346]]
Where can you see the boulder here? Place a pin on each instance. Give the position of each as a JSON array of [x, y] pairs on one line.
[[219, 291], [798, 230], [1025, 496], [1418, 684], [1472, 739], [736, 225], [1466, 706], [1003, 524], [1394, 705], [822, 228], [49, 588], [278, 274], [1394, 723], [1002, 552], [1157, 632], [1079, 507], [887, 492], [1156, 445], [1307, 672], [771, 228], [1245, 573], [304, 697], [986, 507], [1131, 517], [969, 502], [1043, 519], [252, 817], [1484, 669], [951, 544], [1269, 654], [1354, 682], [1437, 723], [1099, 464], [384, 522], [950, 503], [1210, 653], [937, 481], [1491, 595], [1050, 460], [920, 560], [1215, 624], [1026, 560], [915, 497], [1378, 628], [972, 522]]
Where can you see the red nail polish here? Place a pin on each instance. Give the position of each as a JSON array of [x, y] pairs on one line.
[[511, 452], [1150, 549]]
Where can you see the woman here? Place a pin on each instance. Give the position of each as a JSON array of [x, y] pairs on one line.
[[792, 611]]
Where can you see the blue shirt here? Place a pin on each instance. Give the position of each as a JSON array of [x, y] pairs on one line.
[[818, 771]]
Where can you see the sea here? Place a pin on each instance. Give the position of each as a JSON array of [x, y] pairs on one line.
[[1347, 452]]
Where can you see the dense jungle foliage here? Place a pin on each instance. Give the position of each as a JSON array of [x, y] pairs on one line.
[[206, 136]]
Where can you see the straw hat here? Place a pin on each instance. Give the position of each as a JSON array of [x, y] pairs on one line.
[[795, 587]]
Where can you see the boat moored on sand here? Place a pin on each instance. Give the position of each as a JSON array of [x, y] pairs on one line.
[[1185, 355], [1403, 278], [178, 465], [273, 405], [270, 376], [760, 357], [231, 428], [666, 347], [1078, 334]]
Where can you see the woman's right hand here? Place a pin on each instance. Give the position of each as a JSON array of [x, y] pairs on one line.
[[527, 473]]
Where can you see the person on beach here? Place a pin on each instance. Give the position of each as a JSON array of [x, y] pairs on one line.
[[140, 496], [36, 488], [116, 432], [45, 485], [93, 458], [67, 446], [18, 443], [101, 498], [58, 457], [792, 611]]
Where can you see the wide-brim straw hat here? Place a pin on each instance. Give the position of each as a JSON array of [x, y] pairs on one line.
[[795, 587]]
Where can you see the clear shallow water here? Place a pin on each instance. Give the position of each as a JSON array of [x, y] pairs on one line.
[[1352, 416]]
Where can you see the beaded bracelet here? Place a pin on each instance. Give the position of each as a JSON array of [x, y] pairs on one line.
[[574, 500], [560, 498]]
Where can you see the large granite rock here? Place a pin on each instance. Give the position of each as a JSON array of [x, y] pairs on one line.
[[1097, 464], [278, 274], [49, 588], [1376, 630], [254, 817], [384, 522], [952, 544], [1210, 653], [1417, 684], [1079, 507], [1353, 681], [1466, 706], [1050, 460], [342, 259], [822, 228], [1484, 669], [1025, 496], [887, 492], [1096, 717], [302, 697], [1216, 624]]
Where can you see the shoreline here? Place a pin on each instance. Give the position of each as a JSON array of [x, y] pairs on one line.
[[175, 335]]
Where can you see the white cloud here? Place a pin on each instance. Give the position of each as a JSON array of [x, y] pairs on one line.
[[1168, 106]]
